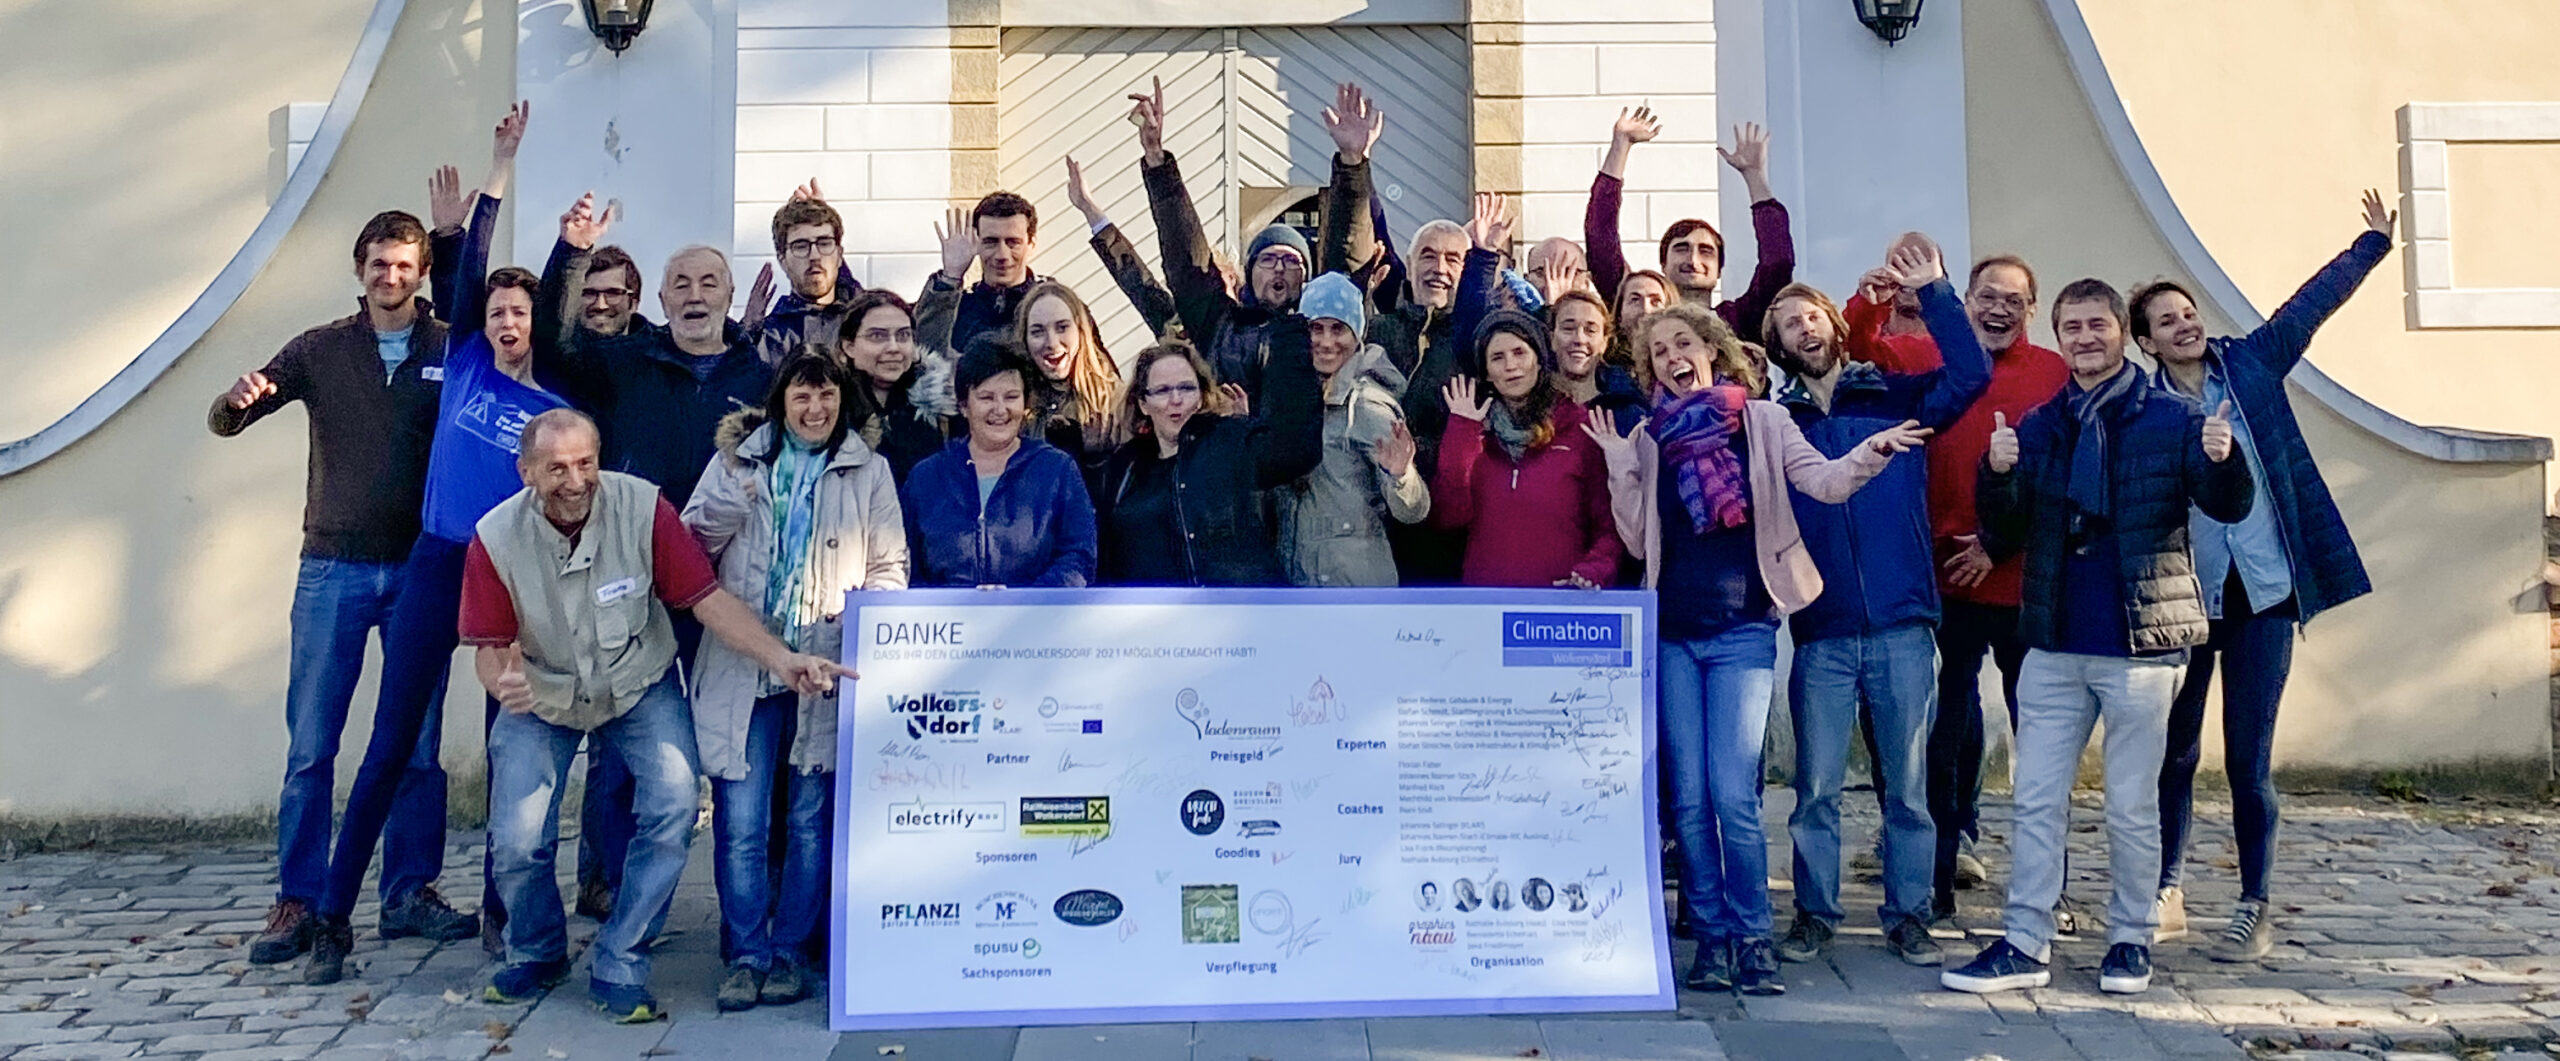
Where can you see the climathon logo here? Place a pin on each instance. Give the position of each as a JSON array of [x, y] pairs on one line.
[[940, 714]]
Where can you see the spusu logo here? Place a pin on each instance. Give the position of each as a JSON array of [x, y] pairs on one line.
[[940, 714]]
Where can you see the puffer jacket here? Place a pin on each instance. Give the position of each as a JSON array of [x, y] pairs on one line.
[[1036, 529], [2157, 468], [1220, 472], [1230, 331], [1874, 549], [2327, 571], [915, 420], [1333, 523], [861, 543]]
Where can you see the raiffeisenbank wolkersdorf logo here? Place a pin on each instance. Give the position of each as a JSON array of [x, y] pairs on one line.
[[1566, 639], [950, 715]]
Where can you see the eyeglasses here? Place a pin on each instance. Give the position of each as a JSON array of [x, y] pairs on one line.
[[1281, 260], [605, 294], [2010, 301], [802, 248], [1165, 391]]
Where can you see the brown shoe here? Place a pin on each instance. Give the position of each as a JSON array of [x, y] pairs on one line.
[[287, 935]]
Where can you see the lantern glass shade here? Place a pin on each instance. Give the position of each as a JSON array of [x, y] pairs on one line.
[[616, 22], [1890, 19]]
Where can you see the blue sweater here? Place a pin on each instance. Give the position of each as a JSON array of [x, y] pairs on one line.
[[482, 411], [1873, 550], [1035, 528]]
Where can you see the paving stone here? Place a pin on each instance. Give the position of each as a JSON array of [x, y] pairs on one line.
[[1443, 1038], [26, 1029], [1780, 1041], [252, 1007], [197, 1044], [263, 1053], [946, 1044], [77, 1052], [1588, 1040], [1118, 1042], [1295, 1040]]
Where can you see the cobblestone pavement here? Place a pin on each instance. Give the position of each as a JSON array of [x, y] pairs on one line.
[[2404, 934]]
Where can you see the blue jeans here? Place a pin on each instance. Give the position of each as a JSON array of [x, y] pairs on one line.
[[1895, 673], [764, 916], [2256, 655], [408, 718], [1715, 714], [528, 760], [336, 603]]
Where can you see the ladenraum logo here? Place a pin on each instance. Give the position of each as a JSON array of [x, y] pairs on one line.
[[1188, 704], [951, 715]]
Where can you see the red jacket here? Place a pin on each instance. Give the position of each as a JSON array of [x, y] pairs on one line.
[[2023, 377], [1530, 523]]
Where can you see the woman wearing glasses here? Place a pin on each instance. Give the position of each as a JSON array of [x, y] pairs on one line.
[[1181, 502]]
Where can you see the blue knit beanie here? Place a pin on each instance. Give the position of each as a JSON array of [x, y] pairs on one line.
[[1334, 297]]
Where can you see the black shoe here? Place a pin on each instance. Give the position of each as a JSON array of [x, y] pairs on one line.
[[1806, 938], [787, 983], [2000, 967], [595, 900], [741, 989], [1910, 941], [1756, 969], [2127, 970], [625, 1003], [524, 981], [1712, 970], [425, 913], [287, 936], [330, 942]]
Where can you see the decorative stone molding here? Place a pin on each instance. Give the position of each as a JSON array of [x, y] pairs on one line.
[[2435, 299]]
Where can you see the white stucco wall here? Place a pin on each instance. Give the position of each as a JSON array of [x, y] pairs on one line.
[[650, 127]]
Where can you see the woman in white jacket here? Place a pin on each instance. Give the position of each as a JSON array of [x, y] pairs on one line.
[[795, 510]]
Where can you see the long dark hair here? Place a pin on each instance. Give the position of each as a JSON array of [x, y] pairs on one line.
[[1537, 411], [810, 366]]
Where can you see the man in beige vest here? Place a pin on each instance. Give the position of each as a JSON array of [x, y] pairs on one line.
[[565, 595]]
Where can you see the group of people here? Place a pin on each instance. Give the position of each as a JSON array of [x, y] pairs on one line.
[[528, 465]]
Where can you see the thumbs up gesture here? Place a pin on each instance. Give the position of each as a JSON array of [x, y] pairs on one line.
[[2217, 433], [2004, 444]]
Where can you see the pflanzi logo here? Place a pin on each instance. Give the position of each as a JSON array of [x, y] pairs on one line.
[[919, 915]]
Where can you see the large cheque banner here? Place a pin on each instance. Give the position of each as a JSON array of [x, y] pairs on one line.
[[1070, 806]]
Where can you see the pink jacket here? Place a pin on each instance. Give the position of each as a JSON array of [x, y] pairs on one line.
[[1532, 522], [1780, 456]]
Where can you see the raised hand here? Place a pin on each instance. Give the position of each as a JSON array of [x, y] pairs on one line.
[[503, 143], [250, 390], [1354, 122], [1077, 197], [1878, 286], [2003, 454], [1970, 567], [584, 225], [1635, 126], [1238, 403], [1395, 452], [1613, 445], [1900, 438], [959, 243], [808, 192], [448, 206], [2376, 216], [759, 298], [1750, 158], [1148, 116], [1490, 228], [1915, 266], [2217, 433], [1461, 397], [1574, 579]]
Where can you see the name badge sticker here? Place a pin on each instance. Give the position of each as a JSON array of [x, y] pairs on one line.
[[431, 373], [616, 590]]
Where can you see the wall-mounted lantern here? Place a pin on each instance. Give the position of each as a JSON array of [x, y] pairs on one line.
[[1890, 19], [616, 22]]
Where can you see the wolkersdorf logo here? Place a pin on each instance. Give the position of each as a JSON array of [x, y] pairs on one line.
[[944, 714]]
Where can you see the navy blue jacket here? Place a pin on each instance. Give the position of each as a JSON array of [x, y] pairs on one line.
[[1037, 529], [1873, 549], [985, 309], [2327, 571]]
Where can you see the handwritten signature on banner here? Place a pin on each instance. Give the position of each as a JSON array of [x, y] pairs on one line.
[[1358, 898], [929, 777], [1067, 761]]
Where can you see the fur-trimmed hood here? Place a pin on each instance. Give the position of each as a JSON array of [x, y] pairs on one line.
[[744, 435]]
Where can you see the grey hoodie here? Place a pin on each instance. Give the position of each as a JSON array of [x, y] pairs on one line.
[[1333, 523]]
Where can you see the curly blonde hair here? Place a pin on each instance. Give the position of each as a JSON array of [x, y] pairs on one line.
[[1731, 360]]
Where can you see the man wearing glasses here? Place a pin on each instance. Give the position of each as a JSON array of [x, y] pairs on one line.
[[808, 240]]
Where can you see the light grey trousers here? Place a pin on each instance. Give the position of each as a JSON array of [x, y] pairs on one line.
[[2061, 696]]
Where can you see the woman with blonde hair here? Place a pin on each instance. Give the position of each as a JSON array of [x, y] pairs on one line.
[[1078, 382], [1699, 494]]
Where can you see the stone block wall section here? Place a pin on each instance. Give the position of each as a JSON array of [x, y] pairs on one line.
[[891, 107], [1550, 78]]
